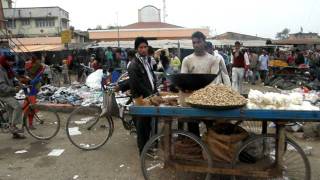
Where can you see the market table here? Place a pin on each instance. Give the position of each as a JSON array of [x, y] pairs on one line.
[[279, 117]]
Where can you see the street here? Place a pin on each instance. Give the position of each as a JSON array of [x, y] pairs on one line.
[[118, 159]]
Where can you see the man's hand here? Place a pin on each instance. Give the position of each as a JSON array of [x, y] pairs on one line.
[[187, 91], [116, 88]]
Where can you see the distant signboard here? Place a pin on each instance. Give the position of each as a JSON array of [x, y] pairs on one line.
[[66, 36]]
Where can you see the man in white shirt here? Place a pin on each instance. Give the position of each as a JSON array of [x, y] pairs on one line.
[[263, 65], [240, 64], [201, 62]]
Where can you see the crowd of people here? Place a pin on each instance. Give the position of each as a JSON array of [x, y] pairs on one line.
[[232, 66]]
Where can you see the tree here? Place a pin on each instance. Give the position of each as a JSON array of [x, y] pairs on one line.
[[284, 34], [110, 27], [99, 27]]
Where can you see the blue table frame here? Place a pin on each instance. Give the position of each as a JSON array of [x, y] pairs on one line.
[[247, 114]]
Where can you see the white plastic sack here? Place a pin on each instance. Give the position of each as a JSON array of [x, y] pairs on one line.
[[94, 79]]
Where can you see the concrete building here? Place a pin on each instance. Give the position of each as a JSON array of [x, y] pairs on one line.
[[36, 21], [39, 28], [6, 3], [302, 41], [149, 25], [229, 38]]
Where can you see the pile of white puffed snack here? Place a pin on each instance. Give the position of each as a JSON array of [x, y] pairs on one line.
[[280, 101]]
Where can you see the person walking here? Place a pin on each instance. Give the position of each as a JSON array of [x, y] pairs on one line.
[[254, 62], [175, 63], [240, 64], [263, 66]]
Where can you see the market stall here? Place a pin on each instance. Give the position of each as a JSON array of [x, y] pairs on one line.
[[229, 147], [279, 117]]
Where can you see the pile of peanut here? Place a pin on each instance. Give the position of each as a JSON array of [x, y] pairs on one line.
[[216, 95]]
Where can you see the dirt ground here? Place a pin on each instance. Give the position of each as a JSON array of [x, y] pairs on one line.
[[117, 160]]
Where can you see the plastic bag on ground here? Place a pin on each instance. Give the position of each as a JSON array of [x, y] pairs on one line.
[[94, 79]]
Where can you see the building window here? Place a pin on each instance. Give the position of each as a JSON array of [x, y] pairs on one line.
[[64, 24], [25, 22], [45, 23], [11, 24]]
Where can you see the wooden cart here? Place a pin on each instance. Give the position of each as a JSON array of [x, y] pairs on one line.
[[284, 148]]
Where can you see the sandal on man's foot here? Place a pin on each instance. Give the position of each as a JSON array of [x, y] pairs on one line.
[[15, 130], [18, 136], [32, 127]]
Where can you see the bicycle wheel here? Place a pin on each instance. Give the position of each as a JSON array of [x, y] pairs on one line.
[[126, 119], [252, 127], [186, 147], [87, 130], [42, 124], [4, 118], [261, 151]]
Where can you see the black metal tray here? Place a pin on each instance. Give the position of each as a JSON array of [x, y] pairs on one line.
[[191, 82], [215, 107]]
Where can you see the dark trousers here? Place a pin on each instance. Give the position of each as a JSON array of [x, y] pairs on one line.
[[193, 127], [263, 75], [143, 126]]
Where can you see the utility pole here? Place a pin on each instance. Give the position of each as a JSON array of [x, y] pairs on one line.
[[118, 29], [164, 10], [2, 19]]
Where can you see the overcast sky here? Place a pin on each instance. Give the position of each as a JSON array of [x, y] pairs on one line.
[[255, 17]]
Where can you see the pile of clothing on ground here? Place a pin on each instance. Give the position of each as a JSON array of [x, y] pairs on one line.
[[76, 95]]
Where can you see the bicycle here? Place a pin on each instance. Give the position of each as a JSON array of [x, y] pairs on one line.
[[261, 147], [56, 75], [39, 121], [89, 128], [85, 72]]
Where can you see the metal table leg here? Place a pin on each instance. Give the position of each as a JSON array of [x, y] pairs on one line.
[[167, 141], [280, 143], [264, 127]]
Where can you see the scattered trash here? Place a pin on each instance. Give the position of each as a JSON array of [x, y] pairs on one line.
[[298, 135], [121, 165], [75, 177], [56, 152], [155, 166], [74, 131], [21, 152], [311, 130], [308, 150], [290, 148], [295, 128], [85, 145], [84, 120], [272, 125]]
